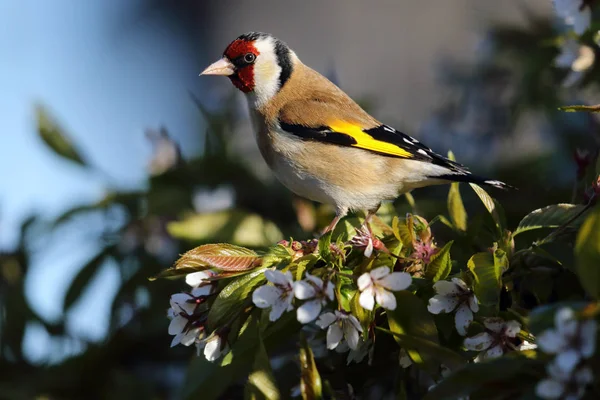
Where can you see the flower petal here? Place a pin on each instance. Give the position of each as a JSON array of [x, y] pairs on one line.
[[351, 334], [473, 303], [565, 322], [202, 291], [550, 341], [304, 290], [325, 320], [581, 20], [405, 360], [278, 277], [379, 273], [179, 298], [364, 281], [195, 279], [329, 291], [265, 296], [277, 310], [494, 324], [212, 349], [442, 304], [308, 311], [177, 325], [549, 389], [385, 299], [567, 360], [493, 352], [461, 284], [463, 319], [369, 249], [478, 342], [318, 282], [587, 333], [176, 339], [354, 321], [446, 288], [525, 345], [367, 300], [512, 328], [395, 281], [190, 336], [557, 373], [334, 336]]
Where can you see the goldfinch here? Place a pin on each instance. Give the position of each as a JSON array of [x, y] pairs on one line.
[[321, 144]]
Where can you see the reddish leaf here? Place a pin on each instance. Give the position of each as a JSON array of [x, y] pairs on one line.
[[226, 257]]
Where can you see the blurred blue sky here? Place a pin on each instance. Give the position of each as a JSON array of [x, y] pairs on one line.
[[106, 77]]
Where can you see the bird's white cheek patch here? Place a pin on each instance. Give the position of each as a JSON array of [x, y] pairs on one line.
[[266, 73]]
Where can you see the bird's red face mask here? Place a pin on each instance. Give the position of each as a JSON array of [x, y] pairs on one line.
[[237, 63]]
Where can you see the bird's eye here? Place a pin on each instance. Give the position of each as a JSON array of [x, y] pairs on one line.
[[249, 58]]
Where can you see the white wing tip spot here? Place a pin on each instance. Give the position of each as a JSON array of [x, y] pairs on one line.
[[495, 183]]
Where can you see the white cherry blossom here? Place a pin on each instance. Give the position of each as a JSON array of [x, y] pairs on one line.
[[378, 285], [340, 327], [571, 340], [574, 13], [316, 292], [278, 297], [186, 323], [561, 384], [200, 278], [496, 339], [454, 296], [214, 347]]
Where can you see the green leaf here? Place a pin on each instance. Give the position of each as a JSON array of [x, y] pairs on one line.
[[578, 108], [84, 277], [310, 380], [226, 257], [587, 253], [456, 208], [176, 273], [402, 232], [503, 378], [487, 276], [411, 317], [440, 265], [55, 137], [226, 226], [232, 299], [492, 206], [365, 317], [275, 255], [550, 217], [450, 358], [325, 246], [261, 384]]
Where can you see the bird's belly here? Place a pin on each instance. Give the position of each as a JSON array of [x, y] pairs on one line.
[[341, 176]]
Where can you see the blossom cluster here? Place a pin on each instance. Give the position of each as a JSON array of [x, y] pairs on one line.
[[282, 291], [188, 319], [573, 342]]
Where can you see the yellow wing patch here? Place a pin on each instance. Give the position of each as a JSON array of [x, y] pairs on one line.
[[366, 141]]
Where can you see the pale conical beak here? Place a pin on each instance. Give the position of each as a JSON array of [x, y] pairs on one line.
[[222, 67]]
